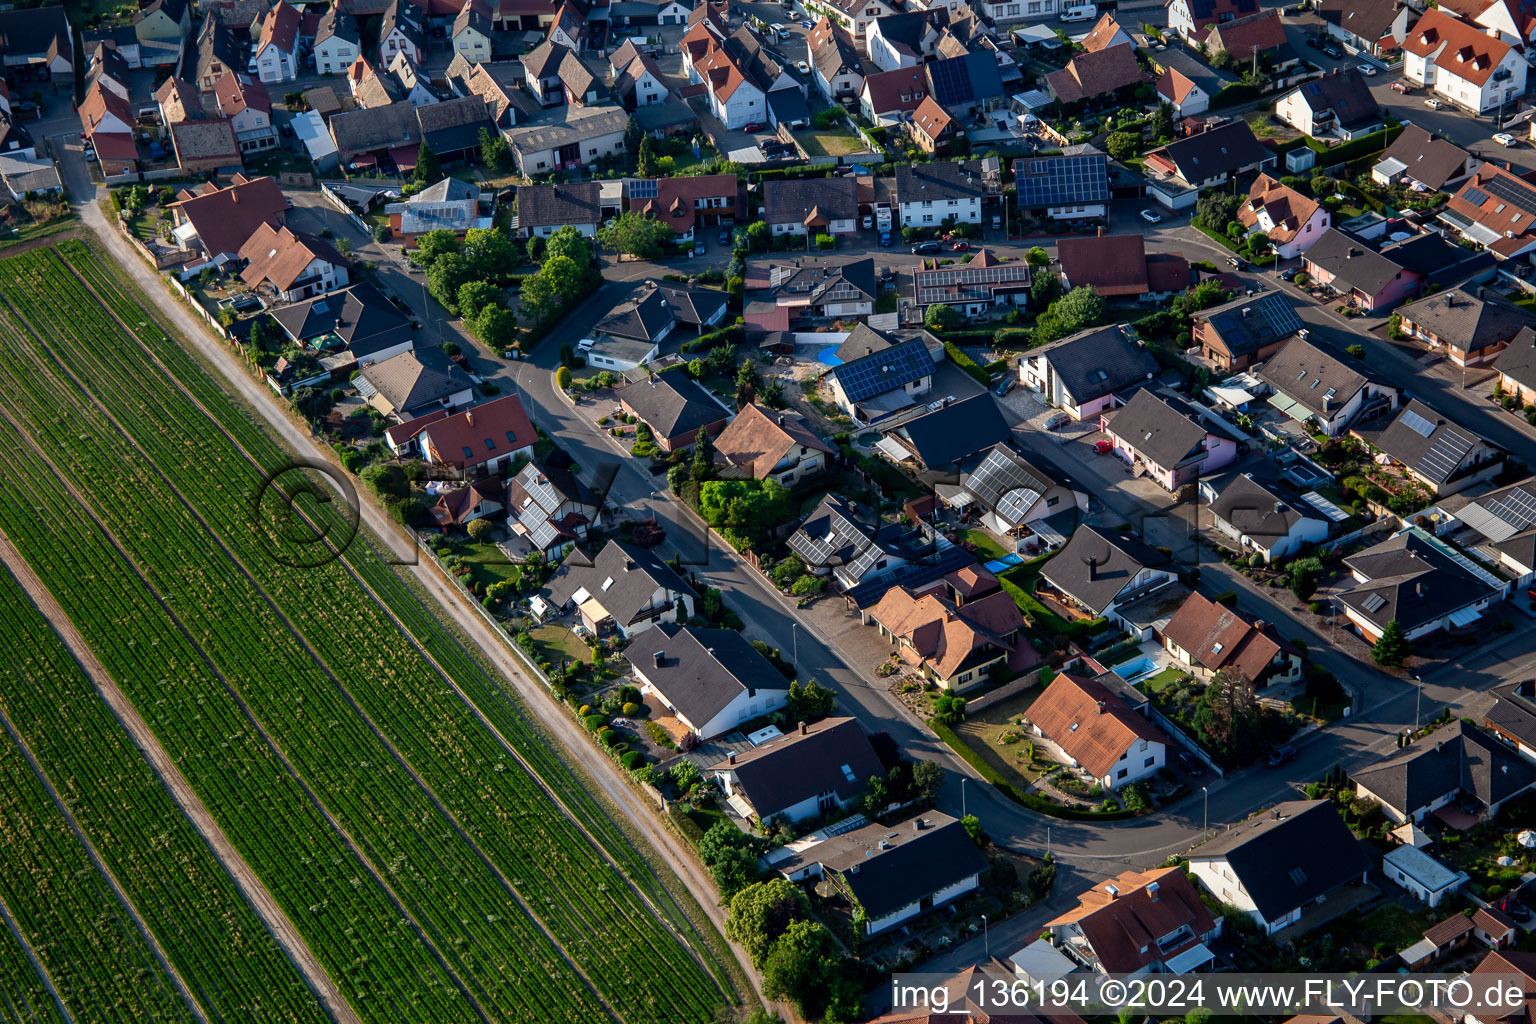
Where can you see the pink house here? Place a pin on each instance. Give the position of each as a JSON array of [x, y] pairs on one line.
[[1169, 438], [1369, 279]]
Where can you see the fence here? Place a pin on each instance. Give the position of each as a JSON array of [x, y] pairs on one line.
[[1190, 745], [1002, 693], [341, 205], [138, 177]]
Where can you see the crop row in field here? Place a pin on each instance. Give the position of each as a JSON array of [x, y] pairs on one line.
[[351, 691]]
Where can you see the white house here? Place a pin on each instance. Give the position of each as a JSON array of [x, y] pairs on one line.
[[1339, 105], [1003, 11], [1099, 570], [1419, 582], [902, 40], [337, 43], [854, 16], [815, 770], [471, 32], [1086, 373], [1097, 732], [1263, 519], [734, 96], [1190, 18], [622, 589], [933, 193], [401, 30], [1463, 64], [292, 266], [275, 55], [711, 680], [835, 66], [1428, 879]]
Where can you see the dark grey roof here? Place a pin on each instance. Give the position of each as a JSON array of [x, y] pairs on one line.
[[756, 60], [1352, 262], [655, 116], [632, 576], [1346, 94], [1203, 10], [956, 430], [1414, 579], [1366, 19], [672, 404], [1059, 180], [788, 105], [841, 533], [1258, 510], [836, 55], [1007, 485], [1308, 375], [1518, 361], [361, 316], [1290, 856], [958, 81], [1098, 361], [1514, 711], [831, 756], [701, 670], [881, 371], [334, 23], [862, 341], [403, 15], [1437, 259], [1221, 151], [906, 30], [693, 305], [1428, 159], [454, 125], [819, 281], [642, 319], [1252, 322], [1422, 439], [1162, 427], [942, 179], [791, 201], [1096, 564], [1455, 757], [1466, 321], [556, 205], [371, 128], [412, 380], [37, 31]]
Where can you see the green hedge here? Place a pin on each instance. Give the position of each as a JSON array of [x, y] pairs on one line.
[[966, 363], [735, 334], [1012, 792]]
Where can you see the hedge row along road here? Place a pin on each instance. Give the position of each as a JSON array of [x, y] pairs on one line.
[[436, 858]]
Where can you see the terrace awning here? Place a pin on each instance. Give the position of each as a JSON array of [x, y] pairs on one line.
[[1194, 957], [1465, 616]]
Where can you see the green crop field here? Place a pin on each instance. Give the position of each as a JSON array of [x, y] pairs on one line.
[[441, 861]]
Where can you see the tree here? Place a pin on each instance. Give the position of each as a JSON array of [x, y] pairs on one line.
[[731, 857], [496, 326], [429, 170], [633, 136], [759, 235], [490, 252], [635, 234], [645, 166], [1037, 257], [1230, 718], [1044, 291], [535, 247], [480, 530], [760, 914], [476, 295], [1080, 308], [1220, 60], [1215, 209], [948, 709], [1393, 648], [447, 274], [568, 242], [703, 458], [494, 151], [941, 317], [563, 378], [1123, 145], [1323, 186], [434, 244], [567, 279], [972, 826], [927, 778], [1162, 121], [1304, 574], [747, 382], [806, 967], [809, 701]]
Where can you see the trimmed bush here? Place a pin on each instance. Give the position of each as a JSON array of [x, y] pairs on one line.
[[630, 709]]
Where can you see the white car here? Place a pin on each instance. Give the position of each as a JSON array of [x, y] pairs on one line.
[[1433, 103], [1151, 216], [803, 67], [777, 29], [1505, 139], [1366, 69]]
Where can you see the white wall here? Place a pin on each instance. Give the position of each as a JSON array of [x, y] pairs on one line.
[[930, 212]]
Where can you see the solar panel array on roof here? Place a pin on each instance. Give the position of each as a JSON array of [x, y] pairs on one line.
[[1513, 193], [1501, 518], [912, 575], [1005, 486], [1413, 421], [1372, 603], [1445, 453], [951, 81], [644, 188], [963, 283], [880, 372], [1060, 180], [1475, 195]]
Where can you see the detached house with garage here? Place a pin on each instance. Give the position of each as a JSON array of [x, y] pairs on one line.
[[958, 647], [1463, 64], [1290, 220], [292, 266], [623, 590], [1097, 731], [1419, 581], [816, 770], [1084, 374], [1235, 335], [1264, 518], [1139, 922], [765, 444], [1192, 18], [480, 441], [1183, 93], [550, 508], [870, 387], [675, 407], [1496, 209], [1337, 106], [1178, 172], [1376, 27], [1093, 75], [1456, 764], [891, 96], [810, 206], [1309, 383], [1470, 329], [1207, 637], [1278, 864], [711, 680], [1424, 157], [1170, 441], [413, 384], [1440, 456], [1100, 569]]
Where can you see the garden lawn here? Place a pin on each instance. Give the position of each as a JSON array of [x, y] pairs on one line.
[[983, 733], [1162, 680], [556, 643], [35, 229], [1397, 925], [987, 546], [491, 564], [828, 143]]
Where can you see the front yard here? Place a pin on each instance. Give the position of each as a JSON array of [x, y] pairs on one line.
[[819, 143], [998, 736]]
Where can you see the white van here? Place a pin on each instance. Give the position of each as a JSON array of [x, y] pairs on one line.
[[1081, 12]]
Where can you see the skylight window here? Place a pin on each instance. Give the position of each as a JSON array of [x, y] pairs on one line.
[[1216, 647], [848, 774], [1297, 876], [607, 583]]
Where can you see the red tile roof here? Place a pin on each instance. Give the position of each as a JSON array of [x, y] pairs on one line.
[[1090, 723], [1174, 85], [118, 146], [98, 103], [1287, 208], [236, 93], [281, 256], [1109, 264], [1222, 639], [488, 431], [1242, 38], [1102, 33], [280, 27], [1094, 74], [1122, 916], [888, 87], [762, 439], [1464, 51], [931, 119], [674, 204], [1509, 220], [946, 637], [225, 218]]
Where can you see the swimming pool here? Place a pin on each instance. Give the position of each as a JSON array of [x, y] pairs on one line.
[[999, 564], [1136, 668], [828, 356]]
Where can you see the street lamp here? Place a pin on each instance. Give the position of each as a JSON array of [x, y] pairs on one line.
[[1418, 700], [986, 939], [1205, 823], [963, 781], [794, 637]]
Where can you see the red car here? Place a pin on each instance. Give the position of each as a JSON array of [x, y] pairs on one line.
[[1103, 447], [961, 246], [753, 127]]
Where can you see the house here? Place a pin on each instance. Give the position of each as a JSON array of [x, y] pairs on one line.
[[1207, 637], [178, 100], [955, 646], [38, 39], [1290, 220], [1367, 279], [248, 108], [550, 508], [471, 31], [948, 432], [966, 85], [1264, 518], [1495, 208], [414, 383], [370, 88], [1260, 34], [675, 407], [204, 146], [1512, 718], [544, 209], [1235, 335], [292, 266], [835, 66], [631, 335], [1428, 879], [337, 42], [219, 221], [703, 200], [1457, 764], [699, 308], [762, 65], [24, 173], [1063, 187], [463, 505], [640, 82], [732, 95], [849, 542], [1339, 105], [1516, 366], [1115, 266], [1181, 92], [939, 192], [815, 771], [931, 128], [855, 16], [1498, 531], [1173, 441], [1311, 384], [1106, 33], [1463, 64], [1424, 157], [372, 136], [1097, 732], [106, 66], [622, 589], [1179, 171], [1012, 497], [402, 31], [567, 137], [1099, 569], [104, 112], [1138, 922], [972, 288], [353, 327], [811, 206], [1084, 373], [903, 40], [813, 287], [1276, 865], [1376, 27], [762, 444], [882, 381], [451, 204], [122, 39], [891, 96], [1096, 73], [212, 53], [164, 22], [409, 85], [1190, 18], [453, 129], [650, 12], [711, 680], [892, 873], [500, 85], [1440, 456], [1419, 582], [275, 54]]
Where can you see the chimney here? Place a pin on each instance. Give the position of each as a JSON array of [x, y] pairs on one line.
[[781, 419], [469, 418], [869, 350], [1093, 567], [1353, 252], [1099, 707], [657, 658], [1152, 888], [918, 824], [731, 759], [1260, 625], [234, 196], [1418, 590], [802, 728], [1112, 891], [1101, 231]]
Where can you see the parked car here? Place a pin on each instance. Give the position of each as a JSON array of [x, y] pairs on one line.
[[1057, 420], [778, 29], [1151, 216], [868, 222], [1402, 87], [1103, 447], [1282, 755], [806, 24], [803, 67], [1517, 911], [1366, 69], [885, 238], [699, 248], [960, 246], [925, 248], [1235, 263], [1190, 764], [1006, 385], [1433, 103], [1505, 139], [1332, 50], [753, 126]]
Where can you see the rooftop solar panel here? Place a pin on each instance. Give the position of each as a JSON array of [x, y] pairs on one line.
[[1413, 421], [1512, 192], [643, 188], [1475, 195], [1373, 603]]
